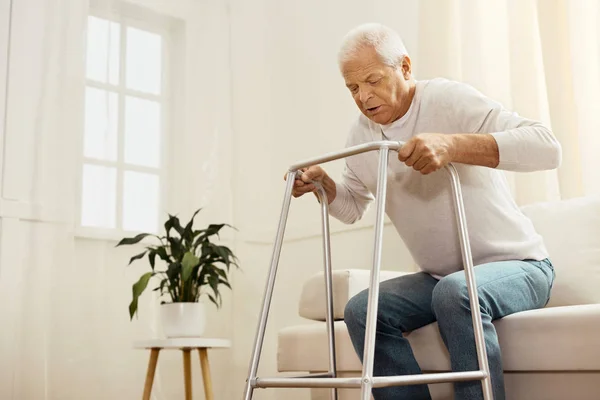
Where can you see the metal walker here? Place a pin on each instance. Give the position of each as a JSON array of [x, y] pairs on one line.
[[367, 381]]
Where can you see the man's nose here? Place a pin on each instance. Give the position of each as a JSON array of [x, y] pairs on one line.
[[364, 95]]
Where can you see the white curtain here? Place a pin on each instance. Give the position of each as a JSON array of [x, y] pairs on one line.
[[540, 58], [66, 332]]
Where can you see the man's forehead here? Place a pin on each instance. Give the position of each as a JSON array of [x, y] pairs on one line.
[[364, 62], [363, 72]]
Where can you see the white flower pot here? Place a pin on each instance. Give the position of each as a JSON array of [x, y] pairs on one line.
[[183, 319]]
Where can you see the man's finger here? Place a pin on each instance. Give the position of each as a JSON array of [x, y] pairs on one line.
[[312, 174], [427, 170], [406, 150], [414, 158], [305, 189], [420, 164]]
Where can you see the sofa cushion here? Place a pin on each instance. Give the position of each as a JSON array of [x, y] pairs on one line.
[[346, 284], [550, 339], [571, 232]]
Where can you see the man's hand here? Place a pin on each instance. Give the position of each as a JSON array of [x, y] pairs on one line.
[[303, 185], [427, 152]]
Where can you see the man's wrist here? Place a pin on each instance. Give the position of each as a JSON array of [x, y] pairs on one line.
[[452, 146], [330, 188]]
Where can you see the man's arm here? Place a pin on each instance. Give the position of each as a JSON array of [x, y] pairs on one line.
[[352, 198], [474, 149], [497, 138], [429, 152], [348, 200]]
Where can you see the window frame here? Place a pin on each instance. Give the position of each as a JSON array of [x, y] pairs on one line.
[[162, 27]]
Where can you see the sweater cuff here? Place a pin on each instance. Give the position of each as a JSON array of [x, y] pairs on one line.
[[336, 206], [508, 149]]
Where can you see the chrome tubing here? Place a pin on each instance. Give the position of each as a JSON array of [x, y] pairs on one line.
[[367, 382], [322, 196], [465, 247], [372, 305], [266, 304], [316, 381]]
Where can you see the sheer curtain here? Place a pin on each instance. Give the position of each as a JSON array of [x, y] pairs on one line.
[[539, 58], [66, 332]]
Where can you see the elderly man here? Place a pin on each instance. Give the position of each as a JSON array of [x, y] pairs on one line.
[[441, 121]]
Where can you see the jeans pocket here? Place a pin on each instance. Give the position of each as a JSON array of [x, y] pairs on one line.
[[547, 269], [547, 265]]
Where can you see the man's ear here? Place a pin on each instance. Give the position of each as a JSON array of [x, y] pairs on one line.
[[406, 67]]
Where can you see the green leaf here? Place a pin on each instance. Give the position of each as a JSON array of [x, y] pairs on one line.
[[224, 282], [213, 229], [223, 253], [187, 265], [133, 308], [152, 258], [137, 289], [213, 300], [187, 232], [176, 248], [137, 257], [173, 222], [213, 281], [162, 285], [221, 272], [133, 240], [162, 253]]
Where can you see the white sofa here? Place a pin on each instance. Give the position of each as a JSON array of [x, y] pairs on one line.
[[549, 354]]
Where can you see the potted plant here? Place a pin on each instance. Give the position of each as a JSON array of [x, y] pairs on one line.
[[195, 267]]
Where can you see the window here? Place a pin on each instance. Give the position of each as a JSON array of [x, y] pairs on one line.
[[123, 133]]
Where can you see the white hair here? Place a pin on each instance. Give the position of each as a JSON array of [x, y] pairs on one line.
[[384, 40]]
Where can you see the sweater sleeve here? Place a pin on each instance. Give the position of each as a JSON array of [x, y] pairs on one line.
[[352, 198], [524, 145]]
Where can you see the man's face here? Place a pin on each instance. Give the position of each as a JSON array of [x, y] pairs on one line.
[[381, 92]]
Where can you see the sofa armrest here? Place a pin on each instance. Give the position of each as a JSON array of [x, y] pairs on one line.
[[346, 284]]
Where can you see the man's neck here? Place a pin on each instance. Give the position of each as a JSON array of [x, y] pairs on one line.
[[409, 99]]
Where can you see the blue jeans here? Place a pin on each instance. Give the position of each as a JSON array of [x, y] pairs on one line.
[[409, 302]]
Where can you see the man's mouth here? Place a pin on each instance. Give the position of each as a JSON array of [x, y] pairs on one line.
[[373, 109]]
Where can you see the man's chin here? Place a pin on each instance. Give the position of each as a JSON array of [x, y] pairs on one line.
[[377, 118]]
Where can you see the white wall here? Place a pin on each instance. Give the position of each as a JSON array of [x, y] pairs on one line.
[[289, 103]]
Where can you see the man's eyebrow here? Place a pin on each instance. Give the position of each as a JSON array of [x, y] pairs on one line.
[[372, 75]]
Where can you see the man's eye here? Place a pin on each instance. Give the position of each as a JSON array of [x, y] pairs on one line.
[[375, 82], [354, 89]]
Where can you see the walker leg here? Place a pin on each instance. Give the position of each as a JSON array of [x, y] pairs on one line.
[[471, 284], [264, 314], [372, 307], [328, 285]]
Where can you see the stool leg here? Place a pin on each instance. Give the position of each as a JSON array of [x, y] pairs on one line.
[[187, 373], [208, 391], [150, 373]]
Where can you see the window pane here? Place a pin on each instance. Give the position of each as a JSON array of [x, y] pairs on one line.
[[140, 202], [98, 203], [142, 132], [101, 117], [144, 59], [103, 38]]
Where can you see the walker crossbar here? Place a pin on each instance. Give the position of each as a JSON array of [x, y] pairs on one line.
[[367, 381], [378, 381]]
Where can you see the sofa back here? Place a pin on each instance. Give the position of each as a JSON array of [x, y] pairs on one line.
[[571, 232]]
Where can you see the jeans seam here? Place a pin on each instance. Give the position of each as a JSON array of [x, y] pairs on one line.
[[502, 278]]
